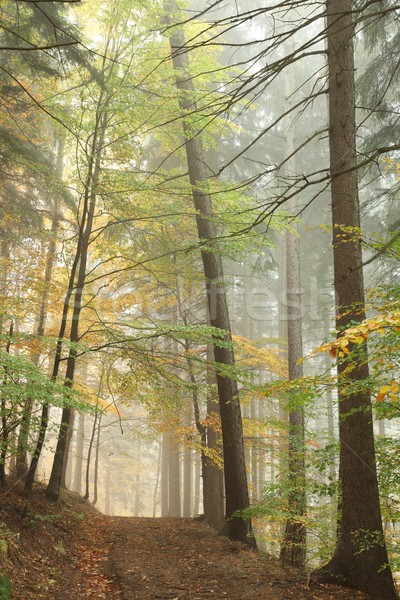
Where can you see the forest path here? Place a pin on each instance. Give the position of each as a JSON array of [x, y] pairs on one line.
[[182, 559], [69, 551]]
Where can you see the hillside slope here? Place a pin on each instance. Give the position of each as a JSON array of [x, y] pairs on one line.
[[70, 551]]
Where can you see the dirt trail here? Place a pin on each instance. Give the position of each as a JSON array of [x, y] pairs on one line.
[[177, 559], [69, 551]]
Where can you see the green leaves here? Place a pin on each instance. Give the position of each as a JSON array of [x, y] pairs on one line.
[[21, 380]]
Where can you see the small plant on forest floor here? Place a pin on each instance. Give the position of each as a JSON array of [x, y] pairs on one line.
[[46, 519], [75, 515], [8, 542], [5, 587], [60, 548]]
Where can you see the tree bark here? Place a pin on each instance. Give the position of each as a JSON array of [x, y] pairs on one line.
[[53, 488], [293, 551], [78, 468], [237, 496], [107, 491], [5, 426], [354, 565], [187, 482], [44, 419], [23, 435], [213, 475], [197, 481], [66, 468], [164, 474], [96, 463], [174, 477]]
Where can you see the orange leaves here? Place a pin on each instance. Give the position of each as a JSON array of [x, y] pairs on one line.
[[392, 165], [358, 334], [386, 322], [390, 390], [253, 356], [332, 351]]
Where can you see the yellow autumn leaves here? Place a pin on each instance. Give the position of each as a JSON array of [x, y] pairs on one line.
[[386, 322]]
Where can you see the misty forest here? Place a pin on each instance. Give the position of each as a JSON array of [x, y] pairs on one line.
[[200, 293]]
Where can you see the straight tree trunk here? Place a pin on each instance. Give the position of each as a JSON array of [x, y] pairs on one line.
[[66, 468], [187, 482], [197, 481], [4, 269], [97, 418], [136, 510], [262, 452], [293, 551], [237, 496], [44, 419], [213, 475], [5, 430], [107, 491], [174, 478], [165, 475], [255, 447], [363, 566], [96, 463], [22, 445], [53, 488], [155, 495], [78, 468]]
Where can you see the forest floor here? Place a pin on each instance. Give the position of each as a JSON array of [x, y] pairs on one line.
[[69, 551]]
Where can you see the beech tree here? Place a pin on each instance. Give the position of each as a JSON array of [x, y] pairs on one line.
[[237, 496], [360, 559]]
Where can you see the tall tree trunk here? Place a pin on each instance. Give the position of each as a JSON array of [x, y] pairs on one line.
[[293, 551], [174, 478], [107, 491], [360, 559], [53, 488], [96, 463], [237, 496], [78, 468], [30, 474], [213, 475], [22, 445], [5, 425], [65, 478], [95, 428], [89, 457], [165, 474], [262, 450], [254, 454], [137, 507], [187, 482], [197, 478], [44, 419], [4, 269], [155, 495]]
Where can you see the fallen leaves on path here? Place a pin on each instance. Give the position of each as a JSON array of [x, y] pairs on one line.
[[69, 551]]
